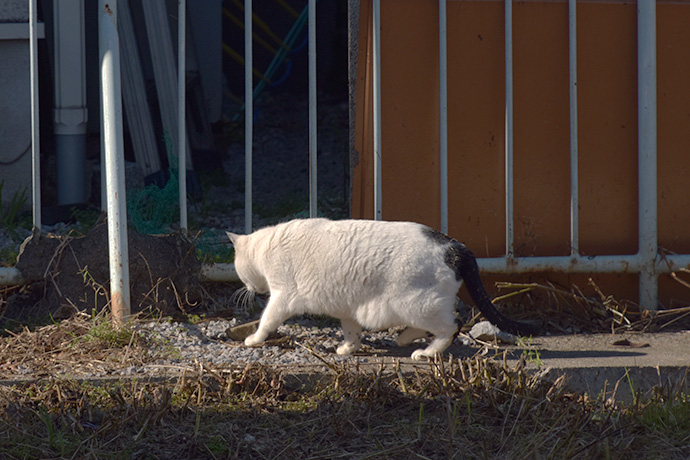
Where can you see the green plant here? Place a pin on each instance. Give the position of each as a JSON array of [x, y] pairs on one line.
[[10, 213], [195, 319], [217, 446], [104, 330], [530, 353], [670, 416], [8, 256], [85, 219]]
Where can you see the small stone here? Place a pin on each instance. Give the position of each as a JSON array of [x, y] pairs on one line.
[[242, 331], [486, 332]]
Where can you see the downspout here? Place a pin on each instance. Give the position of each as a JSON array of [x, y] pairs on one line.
[[70, 114]]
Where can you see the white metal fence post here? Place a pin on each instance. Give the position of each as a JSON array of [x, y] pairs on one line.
[[181, 124], [574, 177], [313, 167], [509, 126], [35, 138], [443, 102], [647, 145], [376, 106], [114, 159], [248, 115]]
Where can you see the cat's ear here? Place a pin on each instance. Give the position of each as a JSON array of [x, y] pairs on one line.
[[233, 237]]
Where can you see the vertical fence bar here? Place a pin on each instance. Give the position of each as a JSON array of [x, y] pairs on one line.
[[181, 108], [574, 176], [376, 70], [647, 150], [35, 137], [313, 170], [248, 115], [114, 159], [443, 96], [509, 126]]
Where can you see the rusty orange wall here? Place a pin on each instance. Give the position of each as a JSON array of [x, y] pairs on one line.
[[607, 118]]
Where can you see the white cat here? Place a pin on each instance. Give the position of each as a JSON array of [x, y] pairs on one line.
[[370, 274]]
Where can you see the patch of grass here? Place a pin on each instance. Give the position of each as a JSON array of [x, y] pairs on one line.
[[195, 319], [83, 344], [669, 416], [473, 408], [288, 207], [105, 331], [11, 216], [215, 253], [8, 256], [529, 352], [85, 219], [213, 246]]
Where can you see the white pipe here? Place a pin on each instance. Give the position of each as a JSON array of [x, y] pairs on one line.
[[70, 114], [248, 115], [504, 265], [581, 264], [181, 121], [10, 276], [35, 138], [574, 176], [218, 272], [313, 170], [647, 150], [509, 126], [376, 106], [443, 96], [221, 272], [114, 159]]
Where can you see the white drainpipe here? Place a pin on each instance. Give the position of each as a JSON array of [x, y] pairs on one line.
[[70, 115]]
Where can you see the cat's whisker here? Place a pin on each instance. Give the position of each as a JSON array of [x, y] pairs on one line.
[[243, 298]]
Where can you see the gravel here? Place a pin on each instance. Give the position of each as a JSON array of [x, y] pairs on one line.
[[290, 345], [299, 341]]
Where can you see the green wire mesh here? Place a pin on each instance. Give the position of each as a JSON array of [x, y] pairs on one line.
[[153, 211]]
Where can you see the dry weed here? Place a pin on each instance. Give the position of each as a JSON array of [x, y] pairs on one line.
[[569, 310], [449, 408]]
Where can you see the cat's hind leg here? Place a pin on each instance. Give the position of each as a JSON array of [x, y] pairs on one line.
[[275, 313], [437, 345], [444, 333], [352, 332]]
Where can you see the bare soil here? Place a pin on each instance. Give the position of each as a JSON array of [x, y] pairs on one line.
[[68, 274]]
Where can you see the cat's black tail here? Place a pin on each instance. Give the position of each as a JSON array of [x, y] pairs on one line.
[[465, 266]]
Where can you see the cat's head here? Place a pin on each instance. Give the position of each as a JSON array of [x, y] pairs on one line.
[[245, 266]]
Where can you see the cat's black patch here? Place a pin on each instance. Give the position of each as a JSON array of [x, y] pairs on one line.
[[436, 236], [455, 252], [463, 263]]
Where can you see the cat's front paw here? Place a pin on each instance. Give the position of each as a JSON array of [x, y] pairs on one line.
[[347, 348], [253, 340], [419, 355]]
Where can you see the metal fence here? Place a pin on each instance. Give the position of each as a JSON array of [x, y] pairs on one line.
[[112, 153], [646, 262]]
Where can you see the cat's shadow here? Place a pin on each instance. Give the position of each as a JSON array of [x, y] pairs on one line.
[[457, 350]]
